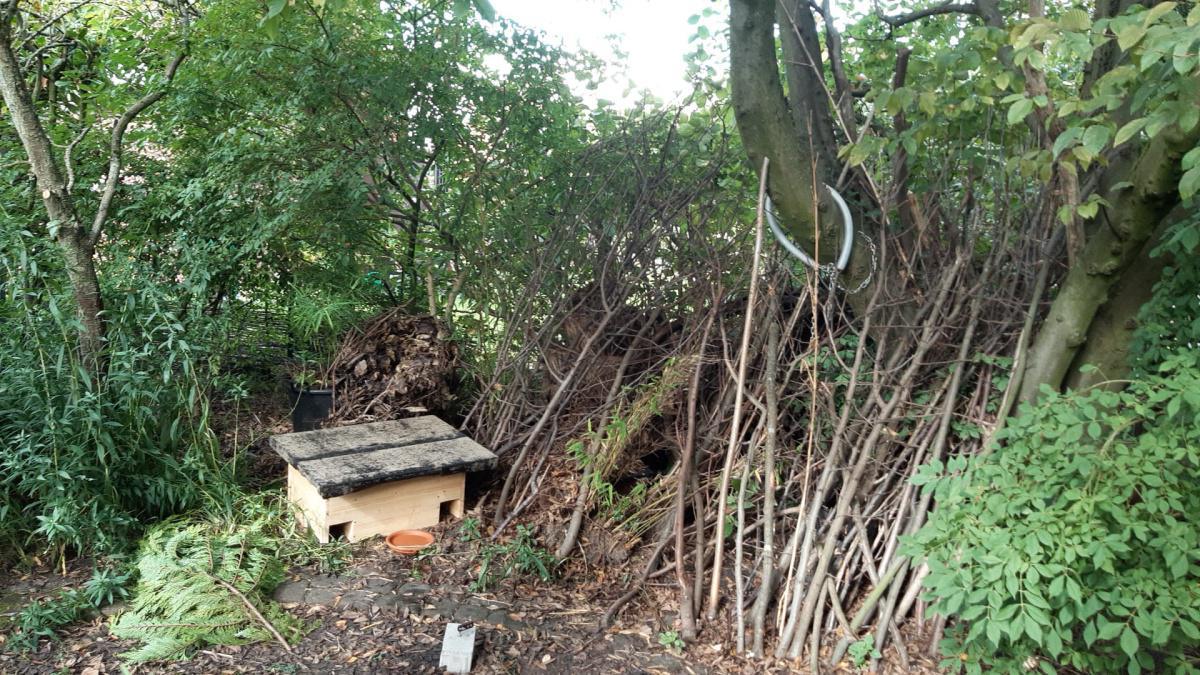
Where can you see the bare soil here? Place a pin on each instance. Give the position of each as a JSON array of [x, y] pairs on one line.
[[523, 626]]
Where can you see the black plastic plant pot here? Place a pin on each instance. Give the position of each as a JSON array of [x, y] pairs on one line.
[[310, 407]]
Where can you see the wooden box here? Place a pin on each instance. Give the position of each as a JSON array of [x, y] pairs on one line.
[[369, 479]]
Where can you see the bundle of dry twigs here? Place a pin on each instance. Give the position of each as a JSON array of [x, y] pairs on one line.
[[729, 421], [393, 364]]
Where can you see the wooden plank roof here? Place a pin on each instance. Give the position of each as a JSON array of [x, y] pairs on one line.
[[344, 459]]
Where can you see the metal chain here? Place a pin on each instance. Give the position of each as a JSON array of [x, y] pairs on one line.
[[830, 273]]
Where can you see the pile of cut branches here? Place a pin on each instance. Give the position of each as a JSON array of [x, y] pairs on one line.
[[742, 426], [394, 365]]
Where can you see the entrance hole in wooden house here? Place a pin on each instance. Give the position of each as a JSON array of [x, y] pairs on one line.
[[339, 532]]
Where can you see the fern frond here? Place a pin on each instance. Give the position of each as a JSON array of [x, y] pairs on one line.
[[180, 603]]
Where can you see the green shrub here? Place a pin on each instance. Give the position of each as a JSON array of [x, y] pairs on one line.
[[862, 651], [1170, 322], [1076, 543], [87, 460]]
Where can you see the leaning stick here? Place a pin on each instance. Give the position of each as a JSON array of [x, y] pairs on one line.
[[253, 610], [714, 589], [687, 613]]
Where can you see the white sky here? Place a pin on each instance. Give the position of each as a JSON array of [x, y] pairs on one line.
[[653, 34]]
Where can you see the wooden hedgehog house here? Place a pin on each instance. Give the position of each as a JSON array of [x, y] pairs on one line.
[[368, 479]]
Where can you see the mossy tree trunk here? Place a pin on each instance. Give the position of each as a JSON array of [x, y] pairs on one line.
[[1091, 317]]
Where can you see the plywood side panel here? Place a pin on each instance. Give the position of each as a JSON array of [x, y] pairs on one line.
[[400, 505], [396, 496], [309, 505], [408, 519]]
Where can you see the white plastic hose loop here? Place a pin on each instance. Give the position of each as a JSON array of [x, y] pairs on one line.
[[847, 233]]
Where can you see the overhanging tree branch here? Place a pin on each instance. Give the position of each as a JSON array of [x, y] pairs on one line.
[[936, 10], [116, 148]]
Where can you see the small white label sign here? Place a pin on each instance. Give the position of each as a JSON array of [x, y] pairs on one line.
[[458, 648]]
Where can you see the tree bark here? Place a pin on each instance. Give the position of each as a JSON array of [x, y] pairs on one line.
[[796, 130], [1110, 334], [74, 242], [767, 126], [1112, 248]]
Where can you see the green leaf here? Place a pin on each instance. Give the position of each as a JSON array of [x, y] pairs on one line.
[[1075, 20], [1129, 36], [1129, 642], [1056, 586], [1193, 16], [1019, 110], [1109, 629], [1032, 33], [270, 26], [993, 632], [1016, 627], [1127, 131], [858, 154], [927, 102], [1096, 138], [1053, 642], [1074, 591], [1064, 140], [1156, 12], [1190, 159], [1190, 183], [1034, 631], [1182, 58]]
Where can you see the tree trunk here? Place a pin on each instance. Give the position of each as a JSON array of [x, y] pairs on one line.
[[1110, 334], [795, 130], [768, 128], [1115, 243], [85, 286], [74, 241]]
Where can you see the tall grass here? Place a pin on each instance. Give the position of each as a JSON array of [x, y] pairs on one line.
[[87, 460]]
